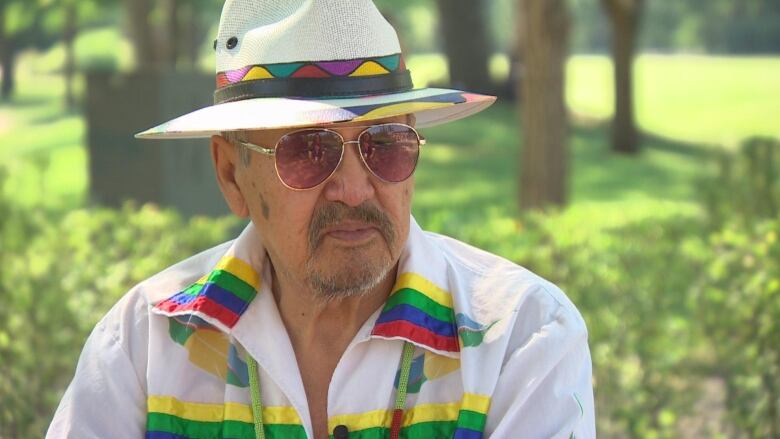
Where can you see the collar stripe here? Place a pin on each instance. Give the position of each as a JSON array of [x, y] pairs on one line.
[[213, 293], [222, 295], [240, 269], [232, 283], [416, 334], [416, 282], [419, 300], [417, 317], [421, 312], [201, 305]]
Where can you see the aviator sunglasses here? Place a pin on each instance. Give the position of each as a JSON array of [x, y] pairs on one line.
[[306, 158]]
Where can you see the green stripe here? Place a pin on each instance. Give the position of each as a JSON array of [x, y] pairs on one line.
[[471, 338], [193, 289], [283, 70], [422, 430], [232, 283], [471, 420], [390, 62], [419, 300], [228, 429], [233, 379], [178, 332]]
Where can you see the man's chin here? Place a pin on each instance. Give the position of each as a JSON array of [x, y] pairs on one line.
[[338, 278]]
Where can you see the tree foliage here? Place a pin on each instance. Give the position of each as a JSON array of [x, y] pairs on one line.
[[59, 272], [719, 26]]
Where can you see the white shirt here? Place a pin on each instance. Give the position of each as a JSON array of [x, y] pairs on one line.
[[499, 352]]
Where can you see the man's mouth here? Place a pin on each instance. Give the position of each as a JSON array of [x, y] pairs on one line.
[[350, 231]]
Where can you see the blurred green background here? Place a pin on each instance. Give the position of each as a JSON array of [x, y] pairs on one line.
[[670, 251]]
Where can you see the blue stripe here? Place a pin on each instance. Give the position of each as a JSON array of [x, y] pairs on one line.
[[418, 317], [223, 297], [182, 298], [454, 98], [465, 433], [163, 435]]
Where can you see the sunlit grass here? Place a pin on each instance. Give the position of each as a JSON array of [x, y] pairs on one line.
[[703, 99], [699, 99], [467, 180]]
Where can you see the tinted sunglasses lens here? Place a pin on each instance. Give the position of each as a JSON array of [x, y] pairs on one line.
[[390, 151], [306, 158]]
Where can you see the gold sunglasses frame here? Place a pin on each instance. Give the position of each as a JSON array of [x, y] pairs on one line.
[[272, 151]]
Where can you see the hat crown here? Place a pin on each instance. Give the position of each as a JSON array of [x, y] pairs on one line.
[[256, 32]]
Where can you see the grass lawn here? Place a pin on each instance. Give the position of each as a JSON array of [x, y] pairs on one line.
[[41, 143], [701, 99], [695, 99]]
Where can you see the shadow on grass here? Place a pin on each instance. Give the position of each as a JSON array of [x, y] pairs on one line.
[[55, 115], [25, 101], [472, 166]]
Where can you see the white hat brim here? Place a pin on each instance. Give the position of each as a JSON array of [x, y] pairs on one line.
[[431, 106]]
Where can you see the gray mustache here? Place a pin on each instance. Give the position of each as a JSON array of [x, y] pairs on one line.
[[334, 213]]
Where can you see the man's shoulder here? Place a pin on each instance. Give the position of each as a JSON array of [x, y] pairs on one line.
[[180, 275], [488, 289]]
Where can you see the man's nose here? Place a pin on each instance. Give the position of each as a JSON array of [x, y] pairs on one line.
[[352, 183]]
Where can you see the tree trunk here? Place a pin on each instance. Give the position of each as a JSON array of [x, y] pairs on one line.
[[624, 16], [69, 69], [8, 66], [544, 159], [190, 34], [169, 34], [466, 43], [6, 59], [146, 52]]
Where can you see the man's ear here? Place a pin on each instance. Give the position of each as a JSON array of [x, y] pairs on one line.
[[224, 155]]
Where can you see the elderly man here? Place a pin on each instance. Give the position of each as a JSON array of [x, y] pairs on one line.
[[333, 313]]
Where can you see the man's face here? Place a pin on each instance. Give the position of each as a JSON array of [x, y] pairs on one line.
[[340, 238]]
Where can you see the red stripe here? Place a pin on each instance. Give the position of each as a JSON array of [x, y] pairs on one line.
[[222, 80], [310, 71], [203, 305], [395, 427], [417, 334]]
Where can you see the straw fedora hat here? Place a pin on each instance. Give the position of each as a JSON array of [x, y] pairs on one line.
[[293, 63]]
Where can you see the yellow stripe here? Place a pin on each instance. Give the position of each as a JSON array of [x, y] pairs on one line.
[[475, 403], [229, 411], [383, 418], [240, 269], [257, 72], [376, 418], [369, 68], [423, 285], [431, 412], [401, 108]]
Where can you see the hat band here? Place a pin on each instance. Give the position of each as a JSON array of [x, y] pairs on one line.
[[332, 87]]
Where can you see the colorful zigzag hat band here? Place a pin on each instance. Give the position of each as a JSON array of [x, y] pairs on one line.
[[321, 79]]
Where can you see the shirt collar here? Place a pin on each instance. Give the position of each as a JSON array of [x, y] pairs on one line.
[[419, 310]]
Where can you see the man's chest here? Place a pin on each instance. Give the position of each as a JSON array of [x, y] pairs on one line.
[[202, 382]]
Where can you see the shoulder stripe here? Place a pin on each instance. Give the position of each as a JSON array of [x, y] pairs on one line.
[[426, 287]]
